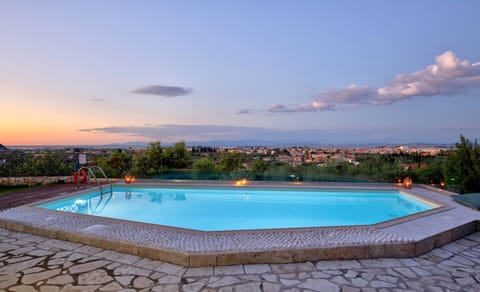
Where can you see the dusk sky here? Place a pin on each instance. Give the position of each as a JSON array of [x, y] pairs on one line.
[[324, 72]]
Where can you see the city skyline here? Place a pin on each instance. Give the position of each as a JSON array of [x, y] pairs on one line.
[[318, 72]]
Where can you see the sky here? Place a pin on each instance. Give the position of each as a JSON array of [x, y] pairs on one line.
[[296, 72]]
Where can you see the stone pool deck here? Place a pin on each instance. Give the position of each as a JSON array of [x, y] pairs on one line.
[[34, 263], [396, 239]]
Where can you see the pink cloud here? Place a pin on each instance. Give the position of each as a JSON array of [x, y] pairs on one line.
[[449, 75]]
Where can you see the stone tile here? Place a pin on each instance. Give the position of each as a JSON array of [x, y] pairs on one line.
[[65, 245], [270, 277], [359, 282], [131, 270], [381, 263], [124, 280], [462, 260], [23, 288], [60, 280], [257, 269], [454, 247], [421, 272], [195, 286], [224, 281], [33, 270], [22, 250], [288, 275], [289, 282], [474, 236], [17, 259], [340, 280], [108, 255], [94, 277], [4, 247], [80, 288], [304, 275], [320, 285], [47, 288], [351, 274], [62, 254], [166, 288], [111, 287], [169, 279], [350, 289], [335, 265], [147, 264], [465, 281], [250, 278], [90, 266], [17, 267], [113, 266], [88, 250], [406, 272], [199, 272], [409, 262], [228, 270], [142, 282], [75, 256], [388, 279], [40, 252], [127, 259], [171, 269], [249, 287], [9, 281], [321, 275], [294, 267], [381, 284], [270, 287], [54, 262]]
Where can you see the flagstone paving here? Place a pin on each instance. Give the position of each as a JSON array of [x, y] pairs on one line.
[[34, 263]]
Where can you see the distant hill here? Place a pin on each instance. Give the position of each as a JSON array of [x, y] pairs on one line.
[[3, 148]]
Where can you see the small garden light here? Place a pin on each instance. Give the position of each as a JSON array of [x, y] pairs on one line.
[[407, 183]]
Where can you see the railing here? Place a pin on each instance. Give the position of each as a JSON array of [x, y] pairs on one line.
[[92, 174]]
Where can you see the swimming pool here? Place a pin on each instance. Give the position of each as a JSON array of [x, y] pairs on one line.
[[229, 208]]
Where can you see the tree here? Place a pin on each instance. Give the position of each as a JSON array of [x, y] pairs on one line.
[[463, 166], [151, 161], [177, 156], [204, 164], [117, 163], [231, 161]]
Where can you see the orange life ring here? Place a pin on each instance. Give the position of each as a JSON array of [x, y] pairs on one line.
[[83, 177]]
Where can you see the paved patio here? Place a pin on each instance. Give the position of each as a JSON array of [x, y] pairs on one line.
[[34, 263]]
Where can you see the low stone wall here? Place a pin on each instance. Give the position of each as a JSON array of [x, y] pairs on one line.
[[33, 180]]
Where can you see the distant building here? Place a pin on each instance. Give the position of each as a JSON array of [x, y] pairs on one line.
[[3, 148]]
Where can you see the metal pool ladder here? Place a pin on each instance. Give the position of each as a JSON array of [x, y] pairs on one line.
[[92, 174]]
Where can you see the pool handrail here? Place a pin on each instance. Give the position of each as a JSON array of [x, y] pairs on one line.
[[91, 173]]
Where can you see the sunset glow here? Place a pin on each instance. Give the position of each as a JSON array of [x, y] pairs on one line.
[[311, 72]]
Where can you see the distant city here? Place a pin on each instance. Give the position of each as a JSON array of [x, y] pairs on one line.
[[243, 144]]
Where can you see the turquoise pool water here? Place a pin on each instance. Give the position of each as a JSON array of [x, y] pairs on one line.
[[242, 208]]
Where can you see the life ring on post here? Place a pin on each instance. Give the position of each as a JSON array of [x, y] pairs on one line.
[[83, 176]]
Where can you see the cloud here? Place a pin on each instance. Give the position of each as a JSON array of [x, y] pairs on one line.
[[243, 111], [165, 91], [97, 99], [265, 136], [174, 133], [447, 76], [278, 108]]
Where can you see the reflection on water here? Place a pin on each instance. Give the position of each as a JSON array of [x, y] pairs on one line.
[[96, 204]]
